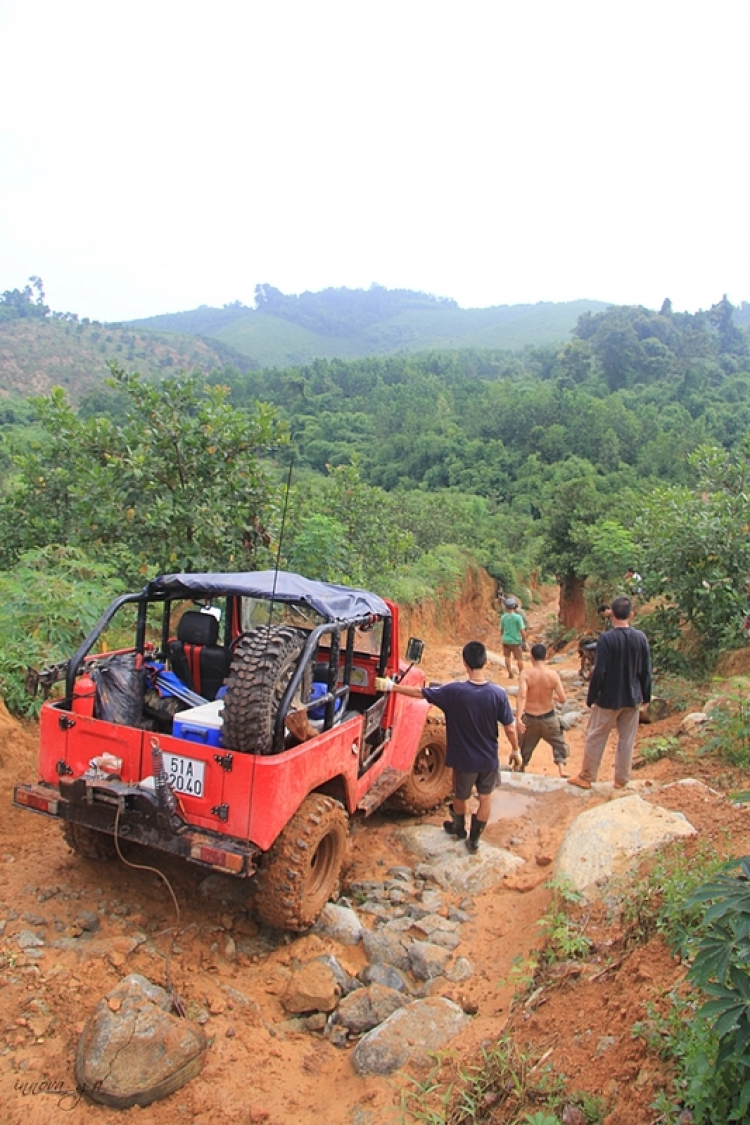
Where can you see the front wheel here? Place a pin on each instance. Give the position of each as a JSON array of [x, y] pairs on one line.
[[430, 781], [301, 871]]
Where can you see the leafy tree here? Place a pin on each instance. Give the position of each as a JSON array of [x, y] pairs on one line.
[[179, 485], [572, 506], [611, 550], [695, 549], [319, 549], [362, 527], [26, 302], [731, 339]]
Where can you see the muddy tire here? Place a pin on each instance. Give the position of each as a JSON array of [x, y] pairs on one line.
[[301, 871], [264, 662], [430, 781], [89, 843]]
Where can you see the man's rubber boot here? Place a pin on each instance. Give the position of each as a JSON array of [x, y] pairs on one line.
[[456, 826], [476, 830]]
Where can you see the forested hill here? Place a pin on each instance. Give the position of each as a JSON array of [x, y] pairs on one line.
[[631, 394], [350, 323], [38, 353]]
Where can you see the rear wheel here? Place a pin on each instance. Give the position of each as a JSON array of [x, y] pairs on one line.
[[430, 781], [301, 871], [264, 662], [89, 843]]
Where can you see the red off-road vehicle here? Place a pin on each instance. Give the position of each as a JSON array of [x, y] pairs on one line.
[[233, 720]]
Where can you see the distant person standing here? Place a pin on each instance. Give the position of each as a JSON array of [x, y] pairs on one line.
[[513, 635], [473, 709], [539, 688], [634, 580], [620, 683], [605, 612]]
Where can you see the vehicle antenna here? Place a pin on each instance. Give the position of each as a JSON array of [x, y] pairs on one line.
[[281, 540]]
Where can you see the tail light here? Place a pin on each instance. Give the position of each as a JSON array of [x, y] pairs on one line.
[[217, 857], [33, 799]]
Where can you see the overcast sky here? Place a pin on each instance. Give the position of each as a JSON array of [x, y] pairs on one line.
[[156, 155]]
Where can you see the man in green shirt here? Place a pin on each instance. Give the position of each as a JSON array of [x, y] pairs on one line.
[[513, 635]]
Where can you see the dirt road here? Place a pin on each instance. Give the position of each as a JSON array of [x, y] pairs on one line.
[[92, 924]]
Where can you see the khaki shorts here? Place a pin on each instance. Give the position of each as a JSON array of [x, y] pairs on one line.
[[512, 650]]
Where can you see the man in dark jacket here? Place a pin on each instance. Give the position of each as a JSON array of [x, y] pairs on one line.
[[620, 683]]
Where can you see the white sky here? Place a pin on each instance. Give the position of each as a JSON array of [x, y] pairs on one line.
[[156, 155]]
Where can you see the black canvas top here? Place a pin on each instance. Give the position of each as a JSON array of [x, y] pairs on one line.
[[332, 602]]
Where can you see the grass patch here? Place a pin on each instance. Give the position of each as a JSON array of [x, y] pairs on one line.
[[504, 1086], [728, 736]]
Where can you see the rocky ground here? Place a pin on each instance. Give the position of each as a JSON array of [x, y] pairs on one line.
[[71, 930]]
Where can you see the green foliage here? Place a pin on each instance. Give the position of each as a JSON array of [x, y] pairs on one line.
[[179, 485], [573, 507], [360, 540], [654, 749], [695, 552], [720, 969], [342, 312], [438, 574], [48, 603], [21, 303], [690, 1045], [709, 1039], [611, 550], [564, 939], [658, 901], [728, 735], [504, 1081]]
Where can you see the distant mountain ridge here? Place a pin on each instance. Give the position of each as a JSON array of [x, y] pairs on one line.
[[345, 323], [40, 349]]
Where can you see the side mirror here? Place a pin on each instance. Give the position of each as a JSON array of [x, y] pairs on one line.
[[414, 650]]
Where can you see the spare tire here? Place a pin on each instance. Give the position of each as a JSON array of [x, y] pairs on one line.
[[264, 662]]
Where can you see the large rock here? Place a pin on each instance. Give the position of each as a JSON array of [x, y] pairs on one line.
[[340, 923], [362, 1010], [311, 988], [602, 842], [409, 1035], [654, 711], [427, 960], [693, 722], [389, 975], [385, 948], [133, 1050], [448, 863], [570, 718]]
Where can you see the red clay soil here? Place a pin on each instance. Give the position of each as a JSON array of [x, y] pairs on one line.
[[261, 1067]]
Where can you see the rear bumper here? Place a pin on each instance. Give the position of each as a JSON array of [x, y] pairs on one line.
[[135, 815]]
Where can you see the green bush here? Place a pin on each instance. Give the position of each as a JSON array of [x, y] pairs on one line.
[[48, 603], [706, 1033], [728, 736]]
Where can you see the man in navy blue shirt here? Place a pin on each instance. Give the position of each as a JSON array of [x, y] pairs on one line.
[[473, 709]]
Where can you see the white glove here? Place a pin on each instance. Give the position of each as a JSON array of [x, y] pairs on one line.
[[383, 683]]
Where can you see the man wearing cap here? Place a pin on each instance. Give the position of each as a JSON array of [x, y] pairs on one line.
[[512, 634], [620, 683]]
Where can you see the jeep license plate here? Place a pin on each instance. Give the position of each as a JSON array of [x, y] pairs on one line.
[[186, 775]]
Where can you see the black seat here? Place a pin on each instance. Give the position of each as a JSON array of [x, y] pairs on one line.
[[195, 657]]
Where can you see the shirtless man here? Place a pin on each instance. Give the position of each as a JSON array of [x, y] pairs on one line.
[[538, 689]]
